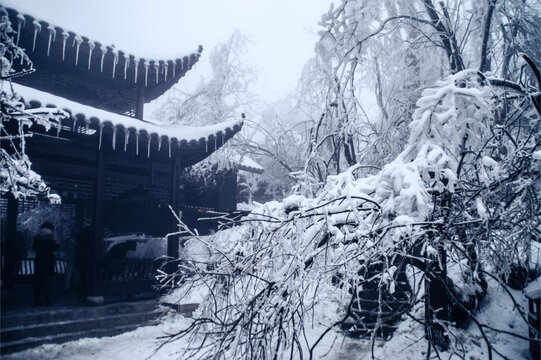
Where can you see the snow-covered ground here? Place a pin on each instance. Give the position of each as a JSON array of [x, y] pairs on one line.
[[497, 311], [143, 343], [408, 342]]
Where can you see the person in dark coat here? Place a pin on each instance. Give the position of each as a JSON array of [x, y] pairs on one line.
[[45, 245]]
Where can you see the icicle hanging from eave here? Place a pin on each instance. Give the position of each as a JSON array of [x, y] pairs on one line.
[[148, 145], [136, 62], [52, 37], [20, 23], [101, 131], [114, 138], [91, 46], [159, 143], [165, 68], [137, 142], [65, 36], [126, 136], [37, 29], [169, 140], [103, 50], [174, 67], [126, 64], [74, 124], [115, 59], [145, 64], [157, 68], [79, 40]]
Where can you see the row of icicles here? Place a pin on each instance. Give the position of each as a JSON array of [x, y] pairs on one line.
[[78, 40], [127, 133]]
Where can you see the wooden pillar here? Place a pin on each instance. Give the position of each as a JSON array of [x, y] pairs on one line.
[[173, 241], [227, 191], [140, 100], [10, 255], [96, 285]]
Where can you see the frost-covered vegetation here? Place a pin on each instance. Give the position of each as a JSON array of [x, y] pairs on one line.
[[16, 175], [438, 182]]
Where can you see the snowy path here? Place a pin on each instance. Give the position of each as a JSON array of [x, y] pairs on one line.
[[407, 343], [141, 343]]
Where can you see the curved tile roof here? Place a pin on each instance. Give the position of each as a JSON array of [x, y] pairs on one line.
[[203, 137], [90, 54]]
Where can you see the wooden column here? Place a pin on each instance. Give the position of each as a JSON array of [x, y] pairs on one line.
[[172, 241], [96, 285], [227, 191], [10, 255], [140, 100]]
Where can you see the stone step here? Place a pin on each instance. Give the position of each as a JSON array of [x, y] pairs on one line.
[[384, 315], [373, 305], [374, 294], [27, 343], [36, 326], [75, 325], [46, 315], [366, 305], [357, 329]]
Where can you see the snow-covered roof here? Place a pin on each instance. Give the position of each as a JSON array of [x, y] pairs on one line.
[[56, 42], [100, 119], [247, 164]]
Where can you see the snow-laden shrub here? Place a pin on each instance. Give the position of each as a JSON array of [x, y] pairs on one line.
[[465, 186]]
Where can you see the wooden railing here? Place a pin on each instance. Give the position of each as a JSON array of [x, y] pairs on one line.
[[118, 270], [129, 276], [25, 272]]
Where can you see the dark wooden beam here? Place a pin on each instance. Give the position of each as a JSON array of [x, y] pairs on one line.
[[54, 168]]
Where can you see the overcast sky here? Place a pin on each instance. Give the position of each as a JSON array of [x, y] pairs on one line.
[[283, 31]]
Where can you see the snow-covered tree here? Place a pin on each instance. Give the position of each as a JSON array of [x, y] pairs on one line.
[[420, 163], [16, 175], [464, 189], [222, 97], [225, 96], [374, 58], [278, 144]]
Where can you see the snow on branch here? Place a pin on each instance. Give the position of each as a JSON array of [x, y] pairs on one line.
[[302, 265], [16, 175]]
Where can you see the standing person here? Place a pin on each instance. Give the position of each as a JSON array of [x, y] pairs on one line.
[[44, 245]]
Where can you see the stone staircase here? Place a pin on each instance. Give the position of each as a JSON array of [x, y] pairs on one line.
[[25, 329], [366, 306]]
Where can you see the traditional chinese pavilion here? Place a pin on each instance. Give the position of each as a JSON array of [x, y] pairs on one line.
[[105, 160]]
